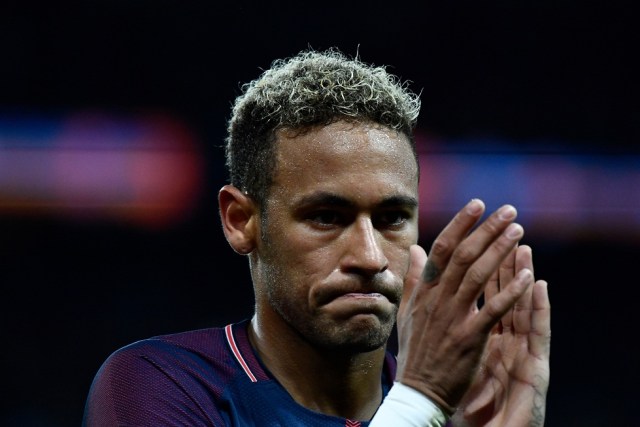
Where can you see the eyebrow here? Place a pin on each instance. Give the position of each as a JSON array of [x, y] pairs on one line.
[[331, 199]]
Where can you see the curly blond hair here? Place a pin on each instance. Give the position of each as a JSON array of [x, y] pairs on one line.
[[312, 88]]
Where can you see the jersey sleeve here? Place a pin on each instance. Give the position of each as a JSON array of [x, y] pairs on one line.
[[138, 386]]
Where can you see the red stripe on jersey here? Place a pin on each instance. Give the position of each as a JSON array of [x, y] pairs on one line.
[[234, 349], [351, 423]]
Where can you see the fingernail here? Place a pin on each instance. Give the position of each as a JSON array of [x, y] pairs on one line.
[[514, 231], [507, 213], [475, 206]]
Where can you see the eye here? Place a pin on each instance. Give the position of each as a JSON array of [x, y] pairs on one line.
[[392, 219], [326, 217]]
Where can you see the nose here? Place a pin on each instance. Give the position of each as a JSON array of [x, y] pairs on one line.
[[364, 253]]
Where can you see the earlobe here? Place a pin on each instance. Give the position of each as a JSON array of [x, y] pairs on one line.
[[238, 214]]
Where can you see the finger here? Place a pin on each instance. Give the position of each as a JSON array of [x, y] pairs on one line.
[[503, 275], [508, 268], [497, 306], [430, 273], [540, 336], [493, 287], [489, 232], [450, 237], [478, 274], [413, 278], [522, 309], [506, 274], [491, 290]]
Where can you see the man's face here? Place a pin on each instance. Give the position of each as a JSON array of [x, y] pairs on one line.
[[340, 218]]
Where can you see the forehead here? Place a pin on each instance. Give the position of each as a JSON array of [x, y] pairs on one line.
[[345, 156]]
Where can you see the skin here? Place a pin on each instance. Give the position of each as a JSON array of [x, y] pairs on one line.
[[328, 277], [511, 385], [488, 366], [333, 253]]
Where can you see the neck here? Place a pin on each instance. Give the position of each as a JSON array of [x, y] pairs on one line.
[[324, 380]]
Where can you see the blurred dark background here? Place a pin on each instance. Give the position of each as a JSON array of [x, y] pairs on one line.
[[112, 117]]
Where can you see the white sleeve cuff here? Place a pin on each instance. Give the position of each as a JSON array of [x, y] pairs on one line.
[[407, 407]]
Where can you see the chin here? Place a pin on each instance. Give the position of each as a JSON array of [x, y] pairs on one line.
[[355, 337], [363, 347]]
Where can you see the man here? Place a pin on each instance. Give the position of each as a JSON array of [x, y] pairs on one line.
[[323, 201]]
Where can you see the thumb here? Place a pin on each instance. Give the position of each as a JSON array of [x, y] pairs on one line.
[[413, 278]]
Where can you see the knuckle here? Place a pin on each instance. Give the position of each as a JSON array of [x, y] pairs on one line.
[[463, 255], [503, 245], [476, 276], [493, 309], [492, 226], [441, 247]]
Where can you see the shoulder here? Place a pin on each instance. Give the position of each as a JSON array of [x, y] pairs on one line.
[[162, 351], [148, 378]]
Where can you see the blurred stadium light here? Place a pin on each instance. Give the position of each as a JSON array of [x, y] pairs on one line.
[[143, 169], [560, 193], [147, 170]]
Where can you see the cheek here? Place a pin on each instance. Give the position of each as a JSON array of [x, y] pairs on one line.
[[305, 249], [399, 257], [311, 266], [297, 260]]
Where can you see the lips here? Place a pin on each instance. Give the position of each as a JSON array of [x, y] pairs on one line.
[[372, 296], [363, 295], [358, 292], [360, 300]]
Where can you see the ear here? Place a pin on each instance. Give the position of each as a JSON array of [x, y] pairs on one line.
[[239, 216]]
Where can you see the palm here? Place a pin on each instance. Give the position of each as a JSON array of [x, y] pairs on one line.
[[508, 379], [511, 384]]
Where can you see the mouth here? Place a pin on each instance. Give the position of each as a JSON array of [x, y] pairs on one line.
[[362, 295], [375, 290], [359, 303], [348, 298]]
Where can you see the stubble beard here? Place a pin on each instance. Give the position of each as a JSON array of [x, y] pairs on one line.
[[349, 336], [349, 339], [356, 334]]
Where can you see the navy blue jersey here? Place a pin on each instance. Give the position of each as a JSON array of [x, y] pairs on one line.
[[208, 377]]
